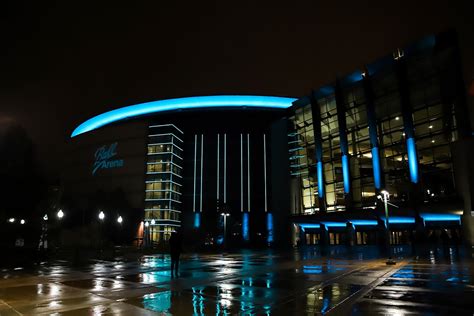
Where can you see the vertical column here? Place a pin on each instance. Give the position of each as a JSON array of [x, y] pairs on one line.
[[218, 165], [341, 119], [225, 169], [202, 174], [400, 69], [241, 174], [316, 113], [197, 215], [372, 122], [245, 218], [269, 214]]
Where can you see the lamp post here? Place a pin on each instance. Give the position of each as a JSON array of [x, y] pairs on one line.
[[225, 226], [146, 234], [384, 197], [101, 220]]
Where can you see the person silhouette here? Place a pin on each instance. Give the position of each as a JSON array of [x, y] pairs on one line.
[[175, 242]]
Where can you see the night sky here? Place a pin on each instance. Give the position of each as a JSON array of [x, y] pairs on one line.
[[65, 61]]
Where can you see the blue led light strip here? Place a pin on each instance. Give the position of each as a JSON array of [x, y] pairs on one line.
[[218, 101]]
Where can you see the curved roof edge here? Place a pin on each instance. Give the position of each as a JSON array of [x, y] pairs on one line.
[[200, 102]]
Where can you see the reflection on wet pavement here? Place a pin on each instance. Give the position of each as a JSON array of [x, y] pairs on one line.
[[253, 283]]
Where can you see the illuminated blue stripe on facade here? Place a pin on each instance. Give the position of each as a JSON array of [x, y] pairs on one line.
[[197, 220], [320, 179], [401, 220], [245, 226], [364, 222], [345, 174], [201, 102], [412, 160], [376, 168], [269, 227], [440, 217]]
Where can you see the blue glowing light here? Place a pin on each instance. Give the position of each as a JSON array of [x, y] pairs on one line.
[[440, 217], [245, 226], [412, 160], [345, 173], [269, 227], [218, 101], [364, 222], [320, 179], [197, 220], [304, 226], [376, 167], [334, 224], [401, 220]]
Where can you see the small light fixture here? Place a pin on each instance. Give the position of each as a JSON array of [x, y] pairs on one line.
[[397, 118], [119, 219], [147, 224], [153, 222], [60, 214], [432, 140], [45, 217], [431, 126], [11, 220], [101, 215], [22, 222]]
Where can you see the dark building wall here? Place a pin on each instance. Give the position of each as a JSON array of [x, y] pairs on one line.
[[280, 178], [80, 183]]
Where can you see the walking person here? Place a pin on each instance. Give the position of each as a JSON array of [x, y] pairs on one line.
[[175, 251]]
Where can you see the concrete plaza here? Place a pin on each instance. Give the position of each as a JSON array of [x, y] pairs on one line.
[[304, 282]]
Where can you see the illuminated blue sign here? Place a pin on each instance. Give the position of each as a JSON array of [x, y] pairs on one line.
[[190, 103], [103, 158]]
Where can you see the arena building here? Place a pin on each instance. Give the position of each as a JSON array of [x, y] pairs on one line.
[[392, 138]]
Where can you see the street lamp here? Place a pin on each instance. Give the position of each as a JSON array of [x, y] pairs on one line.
[[45, 217], [60, 214], [22, 222], [384, 197], [119, 219], [11, 220], [101, 215], [225, 226]]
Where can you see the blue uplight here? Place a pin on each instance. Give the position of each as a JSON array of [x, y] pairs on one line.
[[320, 179], [269, 227], [334, 224], [345, 173], [197, 220], [245, 226], [440, 217], [412, 160], [304, 226], [376, 167], [401, 220], [363, 222], [218, 101]]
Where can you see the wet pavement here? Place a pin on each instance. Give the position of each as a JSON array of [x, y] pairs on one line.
[[335, 282]]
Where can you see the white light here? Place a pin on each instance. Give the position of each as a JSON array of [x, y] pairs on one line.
[[11, 220], [22, 222], [153, 222], [397, 118], [431, 126], [45, 217], [60, 214], [432, 140], [384, 192], [101, 215], [147, 224], [120, 220], [379, 197]]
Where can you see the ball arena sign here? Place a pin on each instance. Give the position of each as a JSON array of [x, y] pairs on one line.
[[103, 158]]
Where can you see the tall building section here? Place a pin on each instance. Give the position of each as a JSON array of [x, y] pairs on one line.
[[163, 184]]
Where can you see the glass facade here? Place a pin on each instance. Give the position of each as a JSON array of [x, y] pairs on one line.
[[399, 119], [163, 185]]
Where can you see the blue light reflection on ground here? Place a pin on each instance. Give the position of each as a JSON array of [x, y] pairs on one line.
[[218, 101], [158, 302]]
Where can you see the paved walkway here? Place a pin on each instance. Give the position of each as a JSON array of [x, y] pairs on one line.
[[250, 283]]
